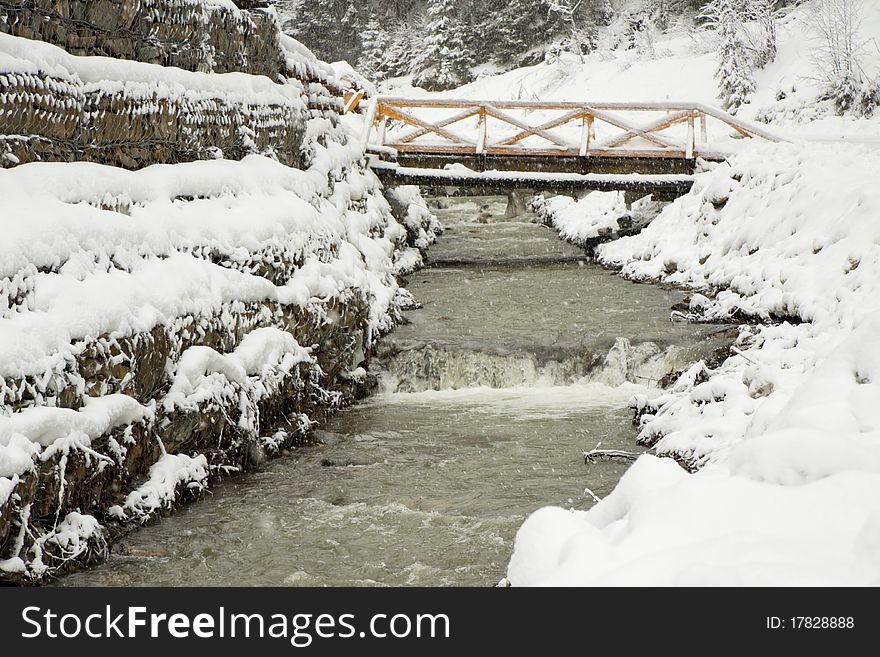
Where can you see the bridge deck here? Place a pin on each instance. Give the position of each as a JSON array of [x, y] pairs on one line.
[[660, 185]]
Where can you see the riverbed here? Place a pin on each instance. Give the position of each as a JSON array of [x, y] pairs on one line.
[[523, 355]]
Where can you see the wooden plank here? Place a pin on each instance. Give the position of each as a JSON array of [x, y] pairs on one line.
[[352, 100], [535, 180], [385, 151], [635, 130], [525, 127], [585, 136], [662, 124], [383, 125], [689, 144], [549, 125], [481, 141], [369, 120], [743, 127], [392, 113], [432, 149], [513, 151], [472, 111], [538, 105]]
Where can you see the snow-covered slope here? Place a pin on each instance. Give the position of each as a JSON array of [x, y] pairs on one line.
[[681, 67], [783, 435]]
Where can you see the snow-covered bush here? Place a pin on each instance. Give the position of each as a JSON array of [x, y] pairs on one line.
[[760, 31], [835, 24], [783, 435]]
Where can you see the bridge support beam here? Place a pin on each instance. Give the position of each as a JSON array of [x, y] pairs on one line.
[[630, 197], [516, 204]]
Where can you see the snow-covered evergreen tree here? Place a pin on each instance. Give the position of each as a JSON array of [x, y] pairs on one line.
[[504, 33], [445, 61], [735, 63], [374, 49], [331, 28]]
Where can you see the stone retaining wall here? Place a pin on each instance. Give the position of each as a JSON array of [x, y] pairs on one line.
[[53, 115], [50, 118], [194, 36]]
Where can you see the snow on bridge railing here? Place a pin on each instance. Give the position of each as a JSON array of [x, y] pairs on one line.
[[536, 128]]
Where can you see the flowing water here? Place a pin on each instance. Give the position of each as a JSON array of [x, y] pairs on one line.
[[523, 356]]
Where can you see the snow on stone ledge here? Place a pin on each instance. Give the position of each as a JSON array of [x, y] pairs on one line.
[[266, 353], [19, 55]]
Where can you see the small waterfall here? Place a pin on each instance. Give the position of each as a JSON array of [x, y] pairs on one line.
[[644, 362], [426, 367]]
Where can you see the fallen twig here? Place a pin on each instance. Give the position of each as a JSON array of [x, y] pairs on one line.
[[595, 455]]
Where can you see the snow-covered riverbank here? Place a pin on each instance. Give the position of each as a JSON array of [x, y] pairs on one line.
[[784, 433], [165, 326]]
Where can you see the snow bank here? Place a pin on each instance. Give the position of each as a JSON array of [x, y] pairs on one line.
[[579, 221], [786, 231], [662, 526], [782, 438]]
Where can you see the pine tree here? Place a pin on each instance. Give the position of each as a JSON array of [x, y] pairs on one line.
[[329, 27], [374, 51], [734, 73], [445, 60], [518, 28]]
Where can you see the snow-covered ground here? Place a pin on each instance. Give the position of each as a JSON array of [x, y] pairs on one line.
[[781, 443]]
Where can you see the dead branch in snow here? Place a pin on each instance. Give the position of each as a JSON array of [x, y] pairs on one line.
[[595, 455]]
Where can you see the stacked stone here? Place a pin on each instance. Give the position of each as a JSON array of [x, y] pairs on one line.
[[44, 117], [132, 125], [191, 35], [228, 428]]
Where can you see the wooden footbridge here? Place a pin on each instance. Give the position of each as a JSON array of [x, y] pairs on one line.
[[568, 147]]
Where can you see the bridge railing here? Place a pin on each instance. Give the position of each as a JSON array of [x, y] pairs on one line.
[[523, 128]]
